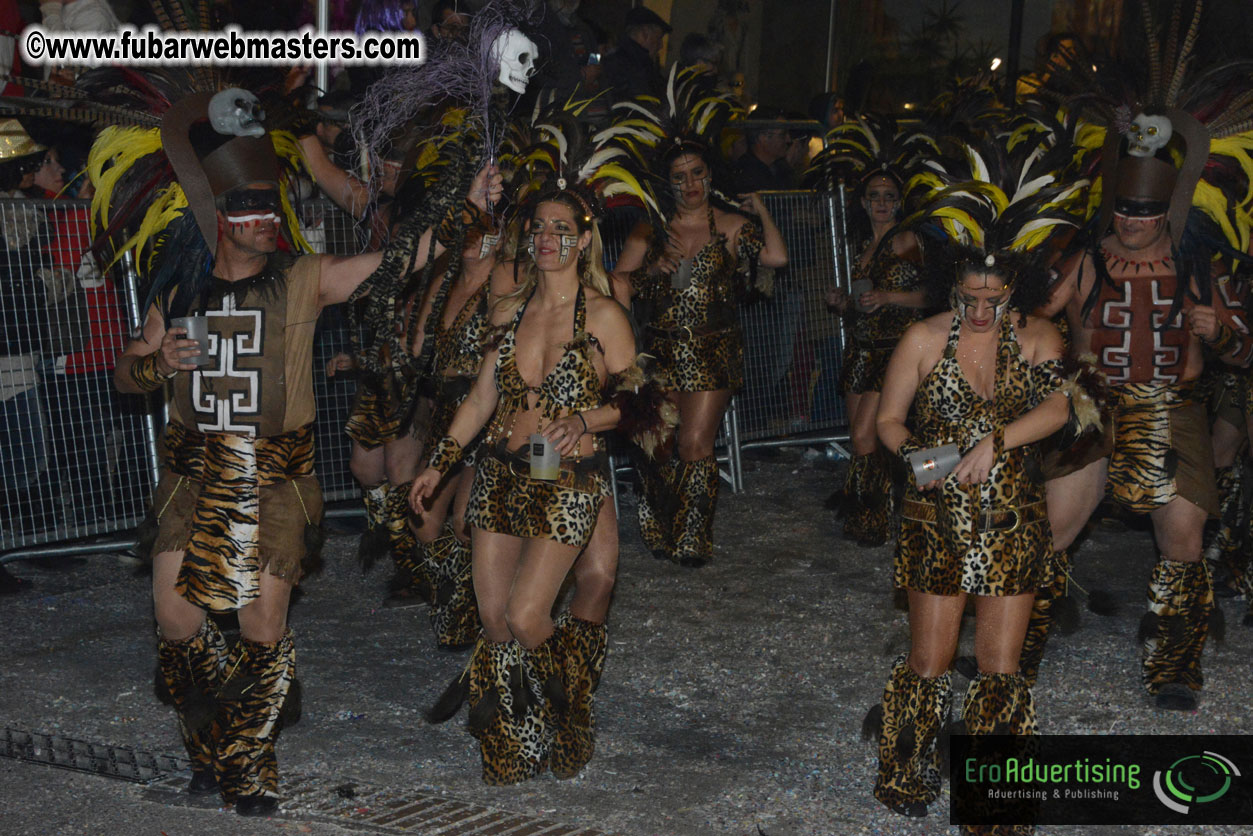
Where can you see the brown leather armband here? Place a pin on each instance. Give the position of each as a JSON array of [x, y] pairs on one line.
[[147, 374]]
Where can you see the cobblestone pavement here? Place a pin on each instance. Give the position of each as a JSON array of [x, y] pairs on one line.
[[731, 702]]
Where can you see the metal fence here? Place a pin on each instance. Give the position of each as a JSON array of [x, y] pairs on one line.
[[78, 459]]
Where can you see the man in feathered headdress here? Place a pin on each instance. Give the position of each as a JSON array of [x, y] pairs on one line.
[[1149, 299], [238, 503]]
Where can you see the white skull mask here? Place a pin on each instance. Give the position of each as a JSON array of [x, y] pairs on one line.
[[516, 54], [236, 111], [1148, 134]]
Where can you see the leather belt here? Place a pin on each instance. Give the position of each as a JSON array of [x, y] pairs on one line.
[[994, 519]]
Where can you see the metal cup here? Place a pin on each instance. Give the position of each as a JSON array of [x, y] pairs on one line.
[[681, 279], [198, 330], [934, 463], [856, 289], [545, 460]]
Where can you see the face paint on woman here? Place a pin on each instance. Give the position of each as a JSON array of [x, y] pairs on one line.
[[568, 242]]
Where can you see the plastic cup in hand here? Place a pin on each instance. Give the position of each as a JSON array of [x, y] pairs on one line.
[[934, 463], [855, 291], [198, 330], [545, 460], [681, 279]]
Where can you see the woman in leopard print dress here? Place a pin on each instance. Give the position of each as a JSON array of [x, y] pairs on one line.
[[690, 279], [893, 302], [986, 378], [564, 339]]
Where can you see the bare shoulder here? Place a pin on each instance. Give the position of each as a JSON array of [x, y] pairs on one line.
[[1040, 338], [906, 245], [729, 223], [931, 330], [604, 312]]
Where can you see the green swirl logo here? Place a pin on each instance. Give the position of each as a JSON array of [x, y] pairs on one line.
[[1194, 779]]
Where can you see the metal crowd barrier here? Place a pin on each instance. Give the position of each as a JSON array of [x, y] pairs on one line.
[[78, 460]]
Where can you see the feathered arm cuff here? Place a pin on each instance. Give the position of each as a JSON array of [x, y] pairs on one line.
[[648, 417], [1087, 389]]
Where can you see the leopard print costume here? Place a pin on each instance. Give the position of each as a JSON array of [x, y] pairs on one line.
[[581, 649], [512, 708], [875, 334], [998, 704], [504, 498], [915, 710], [990, 539], [695, 333], [454, 612]]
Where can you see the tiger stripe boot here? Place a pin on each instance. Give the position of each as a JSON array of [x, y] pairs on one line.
[[1053, 605], [259, 676], [657, 505], [999, 704], [914, 712], [507, 702], [454, 610], [581, 649], [374, 541], [697, 487], [192, 671], [1173, 632], [411, 584]]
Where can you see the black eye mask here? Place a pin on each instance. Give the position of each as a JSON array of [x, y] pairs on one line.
[[1139, 208], [252, 201]]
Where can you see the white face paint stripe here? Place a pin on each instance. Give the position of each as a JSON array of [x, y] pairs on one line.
[[1141, 218], [247, 219]]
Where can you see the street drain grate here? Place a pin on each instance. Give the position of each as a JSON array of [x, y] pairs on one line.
[[305, 797], [82, 756]]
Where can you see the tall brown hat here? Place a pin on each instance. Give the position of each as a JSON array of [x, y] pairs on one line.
[[215, 143], [1145, 171]]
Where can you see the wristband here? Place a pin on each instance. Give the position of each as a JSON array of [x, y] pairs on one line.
[[446, 454], [909, 445], [147, 375], [1224, 342], [584, 420]]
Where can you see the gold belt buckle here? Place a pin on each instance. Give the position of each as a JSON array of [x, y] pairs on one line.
[[686, 334]]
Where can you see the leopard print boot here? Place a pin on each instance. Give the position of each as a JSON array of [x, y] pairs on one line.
[[1173, 631], [581, 648], [999, 704], [454, 611], [694, 523], [259, 676], [657, 505], [403, 543], [375, 541], [1048, 599], [915, 711], [511, 693], [193, 670], [869, 519]]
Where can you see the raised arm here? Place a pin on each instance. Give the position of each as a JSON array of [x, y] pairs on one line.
[[632, 259], [347, 191], [774, 252]]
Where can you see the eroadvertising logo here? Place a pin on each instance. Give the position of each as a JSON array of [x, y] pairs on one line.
[[1212, 773], [1100, 779]]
